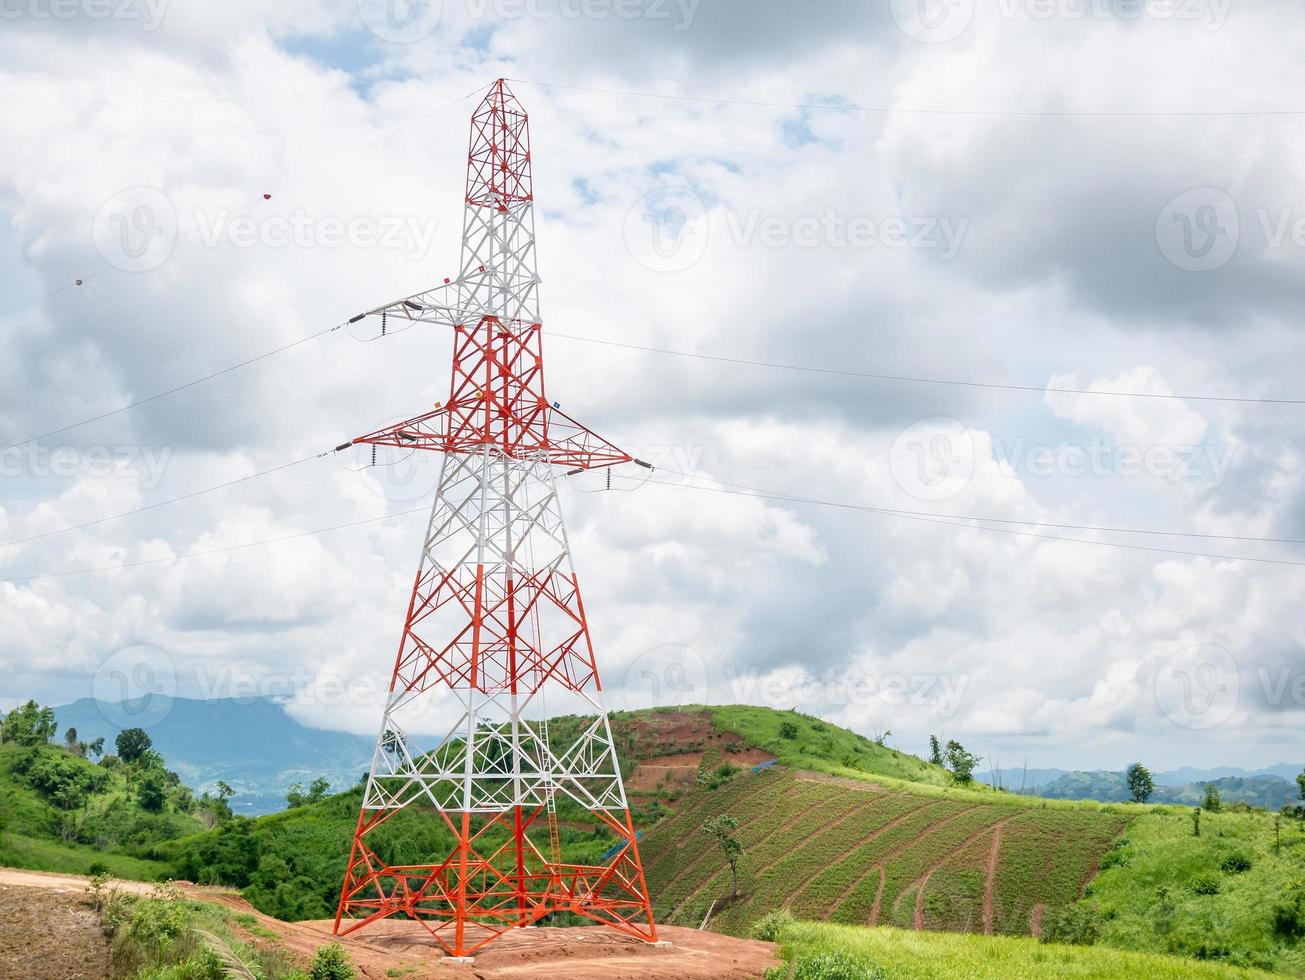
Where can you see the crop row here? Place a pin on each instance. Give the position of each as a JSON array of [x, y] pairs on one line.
[[774, 886], [762, 840], [1045, 858]]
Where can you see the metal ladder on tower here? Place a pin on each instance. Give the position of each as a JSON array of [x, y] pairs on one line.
[[550, 788]]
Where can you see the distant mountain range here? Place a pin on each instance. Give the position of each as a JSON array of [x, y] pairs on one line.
[[252, 744], [1273, 787]]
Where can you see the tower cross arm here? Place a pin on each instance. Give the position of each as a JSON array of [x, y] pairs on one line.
[[555, 438], [450, 304]]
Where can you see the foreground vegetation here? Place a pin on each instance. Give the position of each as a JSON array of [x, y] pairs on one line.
[[166, 936], [817, 951]]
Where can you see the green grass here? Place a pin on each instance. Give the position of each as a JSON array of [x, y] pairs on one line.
[[903, 955], [1149, 898], [41, 854]]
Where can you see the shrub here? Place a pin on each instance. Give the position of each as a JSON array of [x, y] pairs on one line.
[[771, 926], [331, 963], [1072, 925], [788, 730], [1206, 883], [1235, 864], [1114, 859], [1289, 917], [828, 965]]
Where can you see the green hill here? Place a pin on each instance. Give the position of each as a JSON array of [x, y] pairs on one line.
[[60, 812]]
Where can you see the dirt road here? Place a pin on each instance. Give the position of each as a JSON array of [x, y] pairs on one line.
[[50, 900]]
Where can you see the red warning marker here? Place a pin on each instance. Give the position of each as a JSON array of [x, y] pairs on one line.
[[77, 282], [267, 197]]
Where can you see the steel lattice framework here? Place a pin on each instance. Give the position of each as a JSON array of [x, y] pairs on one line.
[[495, 616]]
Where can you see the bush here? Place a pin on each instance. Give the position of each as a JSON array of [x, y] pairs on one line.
[[1235, 864], [828, 965], [1071, 925], [1206, 883], [331, 963], [772, 926], [1289, 917], [788, 730]]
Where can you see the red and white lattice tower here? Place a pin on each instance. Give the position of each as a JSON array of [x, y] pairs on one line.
[[495, 620]]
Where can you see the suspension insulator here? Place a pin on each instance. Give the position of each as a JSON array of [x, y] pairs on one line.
[[384, 323], [373, 455]]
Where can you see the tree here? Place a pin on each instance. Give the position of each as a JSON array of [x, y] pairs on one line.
[[1140, 784], [935, 751], [1300, 781], [152, 791], [28, 724], [721, 829], [132, 744], [1196, 821], [1212, 803], [96, 748], [961, 762], [70, 739]]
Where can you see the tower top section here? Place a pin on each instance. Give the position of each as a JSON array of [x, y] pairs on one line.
[[498, 163]]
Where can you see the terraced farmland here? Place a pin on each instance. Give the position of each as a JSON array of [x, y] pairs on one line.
[[861, 854]]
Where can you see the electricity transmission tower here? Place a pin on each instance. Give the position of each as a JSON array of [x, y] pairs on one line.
[[495, 619]]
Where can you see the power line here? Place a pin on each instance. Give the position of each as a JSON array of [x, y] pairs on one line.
[[904, 379], [906, 515], [173, 391], [919, 111], [110, 266], [162, 503], [791, 498], [734, 489], [213, 551], [1104, 529]]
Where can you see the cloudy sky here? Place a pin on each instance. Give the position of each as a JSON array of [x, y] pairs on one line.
[[1048, 198]]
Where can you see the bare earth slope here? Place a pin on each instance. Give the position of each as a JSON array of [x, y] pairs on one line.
[[46, 931]]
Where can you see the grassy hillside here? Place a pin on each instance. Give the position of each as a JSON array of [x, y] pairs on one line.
[[853, 852], [817, 950], [97, 820], [1230, 894]]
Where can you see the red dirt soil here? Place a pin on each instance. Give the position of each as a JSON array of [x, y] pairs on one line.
[[681, 770], [595, 953]]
